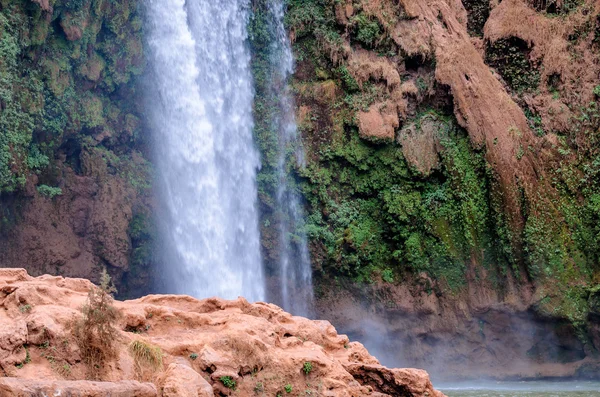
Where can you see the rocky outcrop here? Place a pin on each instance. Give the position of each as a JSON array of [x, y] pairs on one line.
[[379, 123], [14, 387], [208, 347]]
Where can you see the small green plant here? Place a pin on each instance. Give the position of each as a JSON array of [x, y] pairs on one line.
[[27, 359], [307, 367], [228, 382], [25, 308], [259, 387], [288, 388], [49, 191], [64, 370], [597, 90], [367, 31], [27, 356], [387, 275], [421, 84], [520, 152], [194, 356]]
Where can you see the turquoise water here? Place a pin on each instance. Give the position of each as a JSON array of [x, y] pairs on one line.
[[522, 389]]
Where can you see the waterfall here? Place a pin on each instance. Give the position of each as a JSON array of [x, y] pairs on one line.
[[201, 113], [295, 273]]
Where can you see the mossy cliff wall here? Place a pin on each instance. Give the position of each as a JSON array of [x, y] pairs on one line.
[[452, 166], [74, 180]]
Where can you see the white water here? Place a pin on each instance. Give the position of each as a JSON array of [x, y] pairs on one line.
[[294, 259], [201, 111]]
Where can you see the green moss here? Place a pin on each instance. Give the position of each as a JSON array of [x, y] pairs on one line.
[[511, 58], [44, 77], [367, 30], [380, 217], [49, 191]]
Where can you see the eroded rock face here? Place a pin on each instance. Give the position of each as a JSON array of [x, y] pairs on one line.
[[206, 345], [379, 123], [69, 234], [421, 143], [474, 335]]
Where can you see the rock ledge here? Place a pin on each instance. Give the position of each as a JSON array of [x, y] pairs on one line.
[[259, 347]]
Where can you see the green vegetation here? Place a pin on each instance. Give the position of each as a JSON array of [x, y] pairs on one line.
[[478, 12], [95, 331], [228, 382], [368, 30], [382, 216], [47, 70], [27, 358], [288, 388], [49, 191], [370, 211], [511, 58], [307, 367], [25, 308], [193, 356]]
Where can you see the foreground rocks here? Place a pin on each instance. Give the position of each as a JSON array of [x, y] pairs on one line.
[[29, 387], [208, 347]]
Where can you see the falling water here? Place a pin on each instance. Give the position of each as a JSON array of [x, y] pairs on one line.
[[294, 260], [201, 110]]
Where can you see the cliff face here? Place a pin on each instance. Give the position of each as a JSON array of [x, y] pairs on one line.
[[452, 174], [74, 181], [451, 179], [180, 347]]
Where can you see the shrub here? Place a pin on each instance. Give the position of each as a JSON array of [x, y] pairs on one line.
[[307, 367], [288, 388], [228, 382], [367, 31], [25, 308], [95, 331], [49, 191], [193, 356], [387, 275]]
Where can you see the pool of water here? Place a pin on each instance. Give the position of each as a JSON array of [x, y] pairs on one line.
[[522, 389]]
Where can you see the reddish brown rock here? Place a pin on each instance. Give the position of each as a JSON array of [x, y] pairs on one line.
[[258, 346], [13, 387], [420, 144], [379, 123]]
